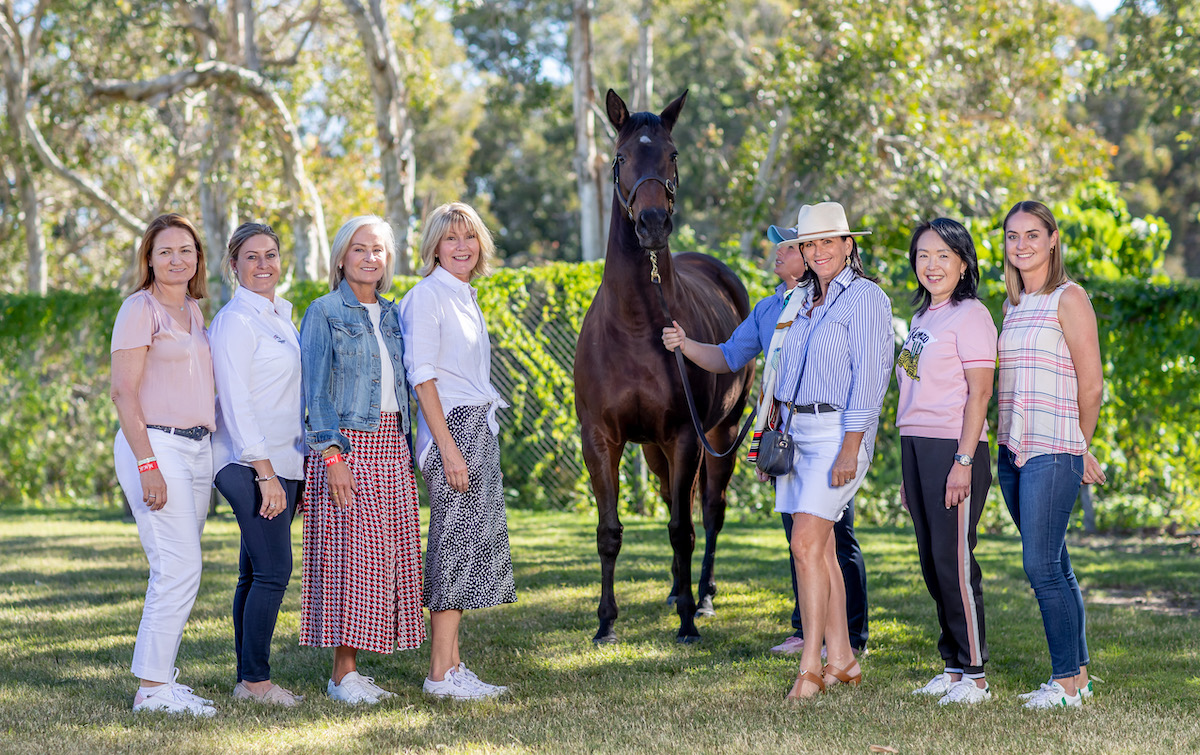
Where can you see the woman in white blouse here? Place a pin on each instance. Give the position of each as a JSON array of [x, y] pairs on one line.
[[448, 359], [258, 448]]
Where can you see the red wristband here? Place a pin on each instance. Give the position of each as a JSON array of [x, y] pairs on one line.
[[147, 466], [331, 460]]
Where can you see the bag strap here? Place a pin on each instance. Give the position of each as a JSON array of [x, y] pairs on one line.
[[804, 355]]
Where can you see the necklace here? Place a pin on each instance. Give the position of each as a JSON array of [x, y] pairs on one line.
[[182, 307]]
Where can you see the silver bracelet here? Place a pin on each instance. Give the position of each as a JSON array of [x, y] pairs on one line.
[[264, 479]]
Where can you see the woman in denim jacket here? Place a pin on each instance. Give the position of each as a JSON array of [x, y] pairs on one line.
[[362, 547]]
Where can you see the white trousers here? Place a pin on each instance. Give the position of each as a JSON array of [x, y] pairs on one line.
[[807, 489], [171, 539]]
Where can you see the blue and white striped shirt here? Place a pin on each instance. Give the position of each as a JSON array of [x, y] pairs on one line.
[[849, 362]]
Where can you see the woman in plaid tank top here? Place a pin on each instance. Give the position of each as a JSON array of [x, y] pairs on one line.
[[1050, 387]]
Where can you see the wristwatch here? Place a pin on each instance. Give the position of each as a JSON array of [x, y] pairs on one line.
[[963, 459]]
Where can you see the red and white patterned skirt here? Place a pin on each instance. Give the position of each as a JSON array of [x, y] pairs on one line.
[[362, 580]]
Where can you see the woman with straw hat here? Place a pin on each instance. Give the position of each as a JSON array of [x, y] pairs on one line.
[[833, 372]]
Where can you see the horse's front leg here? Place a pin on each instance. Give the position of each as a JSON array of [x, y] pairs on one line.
[[685, 464], [602, 458], [656, 462], [714, 481]]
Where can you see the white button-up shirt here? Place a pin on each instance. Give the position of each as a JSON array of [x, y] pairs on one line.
[[256, 362], [446, 339]]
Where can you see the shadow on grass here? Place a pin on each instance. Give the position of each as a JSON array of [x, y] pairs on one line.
[[71, 591]]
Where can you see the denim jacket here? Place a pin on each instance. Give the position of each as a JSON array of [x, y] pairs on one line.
[[339, 358]]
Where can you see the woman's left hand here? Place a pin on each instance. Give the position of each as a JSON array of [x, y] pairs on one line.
[[845, 466], [1093, 473], [958, 485]]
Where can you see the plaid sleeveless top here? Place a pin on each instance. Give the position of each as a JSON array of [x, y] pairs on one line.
[[1039, 390]]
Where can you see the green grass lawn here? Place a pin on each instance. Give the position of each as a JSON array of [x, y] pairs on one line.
[[71, 590]]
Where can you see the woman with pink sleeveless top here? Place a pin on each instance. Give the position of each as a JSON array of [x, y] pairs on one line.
[[1051, 382]]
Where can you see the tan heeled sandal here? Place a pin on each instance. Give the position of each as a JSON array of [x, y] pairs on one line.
[[808, 676], [842, 676]]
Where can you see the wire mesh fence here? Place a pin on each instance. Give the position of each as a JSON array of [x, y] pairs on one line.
[[534, 338]]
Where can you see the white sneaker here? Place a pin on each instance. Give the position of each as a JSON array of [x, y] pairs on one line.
[[172, 698], [1052, 695], [1085, 692], [467, 673], [938, 685], [965, 691], [355, 688], [379, 692], [1035, 693], [456, 686]]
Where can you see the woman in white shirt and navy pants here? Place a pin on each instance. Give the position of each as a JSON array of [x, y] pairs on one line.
[[258, 448], [448, 359]]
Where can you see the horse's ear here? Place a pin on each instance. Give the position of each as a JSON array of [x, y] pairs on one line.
[[617, 112], [670, 113]]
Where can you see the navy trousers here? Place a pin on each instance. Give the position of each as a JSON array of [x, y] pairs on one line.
[[264, 567]]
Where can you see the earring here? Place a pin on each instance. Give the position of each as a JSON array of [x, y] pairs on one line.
[[962, 275]]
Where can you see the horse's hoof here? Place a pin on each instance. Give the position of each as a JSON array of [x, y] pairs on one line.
[[672, 599], [706, 607], [605, 639], [688, 639]]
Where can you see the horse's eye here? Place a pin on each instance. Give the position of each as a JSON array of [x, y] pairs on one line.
[[620, 158], [674, 155]]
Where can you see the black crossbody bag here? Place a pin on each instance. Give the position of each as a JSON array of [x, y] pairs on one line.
[[777, 448]]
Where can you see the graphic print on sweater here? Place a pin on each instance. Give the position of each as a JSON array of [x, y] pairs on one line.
[[910, 355]]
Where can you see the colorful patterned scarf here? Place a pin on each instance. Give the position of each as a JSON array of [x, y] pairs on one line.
[[768, 408]]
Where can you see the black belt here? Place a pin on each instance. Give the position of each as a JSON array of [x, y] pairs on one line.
[[191, 433], [810, 408]]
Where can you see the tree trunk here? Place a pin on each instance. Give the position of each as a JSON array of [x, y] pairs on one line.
[[642, 71], [588, 178], [762, 179], [16, 53], [393, 124], [217, 206], [311, 243]]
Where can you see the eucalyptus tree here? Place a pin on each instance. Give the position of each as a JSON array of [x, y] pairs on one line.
[[19, 40], [129, 141], [394, 128], [1149, 107], [918, 107]]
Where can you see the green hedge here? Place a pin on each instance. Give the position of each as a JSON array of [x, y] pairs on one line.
[[58, 422]]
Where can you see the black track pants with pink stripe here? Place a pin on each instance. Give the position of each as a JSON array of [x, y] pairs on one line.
[[946, 544]]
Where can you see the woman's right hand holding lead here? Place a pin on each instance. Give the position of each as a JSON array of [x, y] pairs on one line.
[[673, 337]]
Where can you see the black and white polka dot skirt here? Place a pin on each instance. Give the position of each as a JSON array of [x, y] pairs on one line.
[[467, 560]]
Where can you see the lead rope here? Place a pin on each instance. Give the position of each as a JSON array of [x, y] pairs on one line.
[[656, 279]]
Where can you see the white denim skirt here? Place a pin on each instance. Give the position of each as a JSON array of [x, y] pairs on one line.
[[806, 490]]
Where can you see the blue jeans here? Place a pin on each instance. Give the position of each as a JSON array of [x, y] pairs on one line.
[[1040, 497], [264, 565]]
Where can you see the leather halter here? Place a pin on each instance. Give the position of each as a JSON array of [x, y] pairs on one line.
[[627, 204]]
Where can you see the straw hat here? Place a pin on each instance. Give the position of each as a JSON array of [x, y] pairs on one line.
[[815, 221]]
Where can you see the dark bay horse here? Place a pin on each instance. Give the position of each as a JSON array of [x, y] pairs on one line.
[[627, 386]]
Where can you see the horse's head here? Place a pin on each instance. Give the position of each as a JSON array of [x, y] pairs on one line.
[[644, 173]]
